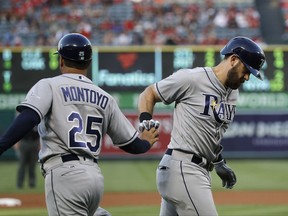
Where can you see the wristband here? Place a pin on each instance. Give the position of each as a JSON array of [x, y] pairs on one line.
[[145, 116], [219, 158]]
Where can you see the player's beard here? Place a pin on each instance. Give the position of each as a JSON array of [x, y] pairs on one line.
[[233, 81]]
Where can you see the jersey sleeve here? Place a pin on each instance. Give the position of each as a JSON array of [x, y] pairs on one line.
[[120, 129], [39, 98], [173, 88]]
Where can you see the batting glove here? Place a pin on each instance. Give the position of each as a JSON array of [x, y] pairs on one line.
[[226, 174], [148, 124]]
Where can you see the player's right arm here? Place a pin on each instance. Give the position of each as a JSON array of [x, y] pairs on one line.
[[172, 88], [124, 135], [146, 102], [143, 142]]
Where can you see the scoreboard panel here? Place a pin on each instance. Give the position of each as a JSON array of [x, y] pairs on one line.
[[129, 70]]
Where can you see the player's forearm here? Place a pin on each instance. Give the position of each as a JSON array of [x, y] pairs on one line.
[[24, 123], [147, 100], [138, 146]]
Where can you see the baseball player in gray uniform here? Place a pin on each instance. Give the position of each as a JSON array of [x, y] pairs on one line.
[[205, 104], [73, 116]]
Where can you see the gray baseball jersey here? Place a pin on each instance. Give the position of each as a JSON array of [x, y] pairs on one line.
[[76, 116], [203, 110]]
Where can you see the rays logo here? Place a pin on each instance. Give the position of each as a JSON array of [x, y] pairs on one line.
[[221, 111]]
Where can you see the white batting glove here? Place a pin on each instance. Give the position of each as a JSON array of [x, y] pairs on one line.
[[148, 124]]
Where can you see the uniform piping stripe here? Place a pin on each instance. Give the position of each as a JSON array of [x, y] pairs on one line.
[[32, 107], [52, 185], [73, 78], [166, 102], [181, 168], [128, 141], [213, 83]]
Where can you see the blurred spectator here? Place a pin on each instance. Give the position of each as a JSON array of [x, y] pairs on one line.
[[208, 36], [85, 29], [108, 38], [42, 40], [207, 13], [123, 39], [231, 17], [221, 18], [252, 17]]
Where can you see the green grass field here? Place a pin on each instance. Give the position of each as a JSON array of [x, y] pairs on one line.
[[138, 175]]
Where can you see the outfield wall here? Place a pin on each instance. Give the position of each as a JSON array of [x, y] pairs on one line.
[[260, 126]]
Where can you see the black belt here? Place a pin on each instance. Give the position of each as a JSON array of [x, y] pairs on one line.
[[71, 157], [64, 158], [195, 159]]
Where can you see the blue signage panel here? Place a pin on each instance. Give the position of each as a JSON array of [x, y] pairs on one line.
[[254, 136]]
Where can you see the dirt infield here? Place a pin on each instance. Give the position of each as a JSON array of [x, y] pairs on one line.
[[153, 198], [223, 198]]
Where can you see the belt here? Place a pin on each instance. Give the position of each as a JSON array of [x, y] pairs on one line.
[[58, 160], [71, 157], [191, 157]]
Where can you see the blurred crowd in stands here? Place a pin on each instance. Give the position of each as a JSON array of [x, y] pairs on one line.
[[284, 9], [127, 22]]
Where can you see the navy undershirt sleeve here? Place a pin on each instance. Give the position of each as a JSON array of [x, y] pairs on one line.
[[22, 124], [138, 146]]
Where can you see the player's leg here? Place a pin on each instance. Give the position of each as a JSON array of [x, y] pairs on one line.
[[194, 191], [162, 175], [74, 189], [186, 186], [102, 212], [167, 209]]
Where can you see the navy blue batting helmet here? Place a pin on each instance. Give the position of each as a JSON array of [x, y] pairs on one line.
[[251, 55], [75, 47]]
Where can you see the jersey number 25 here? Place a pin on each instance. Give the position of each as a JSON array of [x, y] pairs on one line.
[[90, 131]]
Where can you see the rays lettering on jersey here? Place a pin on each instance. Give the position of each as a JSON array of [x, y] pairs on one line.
[[78, 94], [222, 112]]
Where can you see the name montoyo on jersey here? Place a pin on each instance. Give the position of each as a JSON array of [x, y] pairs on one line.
[[79, 94]]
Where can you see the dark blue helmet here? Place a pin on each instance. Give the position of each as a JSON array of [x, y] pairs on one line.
[[75, 47], [251, 55]]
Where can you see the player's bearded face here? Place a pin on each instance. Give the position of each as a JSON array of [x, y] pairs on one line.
[[235, 77]]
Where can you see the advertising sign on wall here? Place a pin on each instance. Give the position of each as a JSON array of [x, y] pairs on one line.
[[249, 136], [257, 136]]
